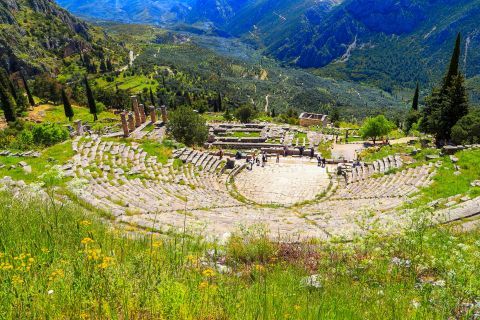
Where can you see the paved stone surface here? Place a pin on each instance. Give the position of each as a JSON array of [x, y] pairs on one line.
[[346, 151], [291, 181]]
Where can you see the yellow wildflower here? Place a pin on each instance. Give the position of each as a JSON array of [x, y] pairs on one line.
[[2, 254], [106, 262], [87, 241], [296, 307], [203, 285], [85, 223], [208, 273], [56, 275], [16, 280], [157, 244], [6, 266], [45, 250], [93, 254], [259, 268]]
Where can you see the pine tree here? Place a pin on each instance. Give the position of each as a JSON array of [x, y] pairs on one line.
[[90, 100], [7, 103], [152, 98], [67, 107], [415, 98], [27, 90]]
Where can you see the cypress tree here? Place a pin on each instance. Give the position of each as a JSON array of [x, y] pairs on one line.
[[457, 106], [7, 102], [219, 100], [27, 90], [109, 65], [67, 107], [4, 78], [90, 100], [415, 98], [103, 66], [8, 85], [447, 104], [13, 90], [273, 115], [152, 98], [453, 68]]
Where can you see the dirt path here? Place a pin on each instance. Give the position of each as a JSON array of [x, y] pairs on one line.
[[38, 112]]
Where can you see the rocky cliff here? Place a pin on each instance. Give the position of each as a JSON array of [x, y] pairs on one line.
[[37, 34]]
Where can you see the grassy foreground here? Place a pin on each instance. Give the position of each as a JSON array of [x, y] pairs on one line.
[[59, 262]]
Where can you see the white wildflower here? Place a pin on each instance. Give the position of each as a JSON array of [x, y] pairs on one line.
[[415, 303]]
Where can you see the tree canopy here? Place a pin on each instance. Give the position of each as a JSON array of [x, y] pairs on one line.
[[374, 128], [187, 126]]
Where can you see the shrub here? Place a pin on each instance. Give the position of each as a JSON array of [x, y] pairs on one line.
[[48, 134], [245, 113], [467, 129]]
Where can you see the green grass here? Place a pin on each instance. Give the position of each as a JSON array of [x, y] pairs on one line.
[[56, 114], [134, 83], [63, 263], [376, 153], [162, 151], [300, 136], [213, 116], [55, 155], [325, 149], [240, 134], [446, 183]]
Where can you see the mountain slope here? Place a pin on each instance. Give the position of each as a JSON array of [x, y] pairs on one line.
[[385, 39], [147, 11], [35, 35]]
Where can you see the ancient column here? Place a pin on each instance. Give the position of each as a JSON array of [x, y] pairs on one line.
[[78, 127], [141, 109], [153, 115], [164, 114], [136, 111], [131, 122], [123, 116]]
